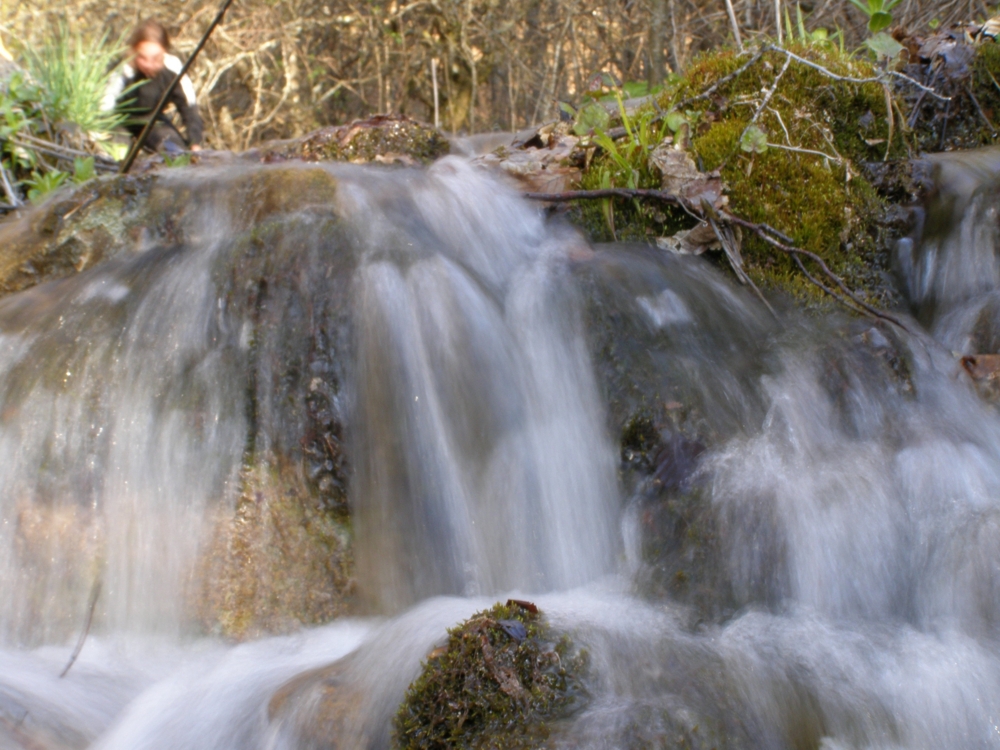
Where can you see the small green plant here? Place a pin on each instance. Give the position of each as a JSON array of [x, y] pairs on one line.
[[884, 46], [592, 114], [817, 37], [877, 11], [630, 156], [83, 169], [181, 160], [590, 117], [57, 99], [753, 140], [42, 184]]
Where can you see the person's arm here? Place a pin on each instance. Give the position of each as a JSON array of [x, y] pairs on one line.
[[116, 85], [184, 99]]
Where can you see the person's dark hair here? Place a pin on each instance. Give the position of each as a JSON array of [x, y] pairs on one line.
[[149, 30]]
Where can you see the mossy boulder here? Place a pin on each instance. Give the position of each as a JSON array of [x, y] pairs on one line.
[[824, 160], [75, 230], [384, 139], [802, 177], [279, 554], [500, 680]]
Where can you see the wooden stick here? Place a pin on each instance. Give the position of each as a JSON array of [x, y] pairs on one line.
[[8, 188], [434, 79], [95, 592], [735, 25], [30, 139], [60, 152], [134, 152]]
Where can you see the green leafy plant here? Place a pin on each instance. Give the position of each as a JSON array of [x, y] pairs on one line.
[[181, 160], [590, 117], [42, 184], [754, 140], [624, 161], [56, 100], [83, 169], [884, 46], [877, 11], [817, 37]]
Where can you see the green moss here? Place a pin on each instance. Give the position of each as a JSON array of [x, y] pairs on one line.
[[492, 686], [807, 184], [822, 203], [382, 137]]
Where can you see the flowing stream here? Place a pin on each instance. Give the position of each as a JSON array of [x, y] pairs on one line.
[[808, 558]]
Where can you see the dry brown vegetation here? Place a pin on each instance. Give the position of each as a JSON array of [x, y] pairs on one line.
[[279, 68]]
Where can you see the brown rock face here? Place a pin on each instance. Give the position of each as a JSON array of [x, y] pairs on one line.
[[382, 139]]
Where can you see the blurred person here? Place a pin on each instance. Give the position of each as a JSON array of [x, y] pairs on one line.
[[139, 82]]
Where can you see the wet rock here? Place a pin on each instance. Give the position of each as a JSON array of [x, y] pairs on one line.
[[548, 162], [984, 369], [121, 215], [279, 557], [74, 230], [276, 564], [501, 678], [382, 139]]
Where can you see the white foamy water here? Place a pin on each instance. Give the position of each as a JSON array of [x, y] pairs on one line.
[[852, 477]]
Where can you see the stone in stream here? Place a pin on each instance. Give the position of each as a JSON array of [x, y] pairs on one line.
[[484, 688]]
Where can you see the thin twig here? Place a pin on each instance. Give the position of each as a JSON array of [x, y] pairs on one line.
[[795, 252], [721, 82], [732, 254], [95, 592], [734, 24], [889, 119], [767, 98], [968, 90], [919, 85], [60, 153], [944, 126], [915, 112], [992, 78], [8, 188], [848, 79], [59, 147], [805, 151]]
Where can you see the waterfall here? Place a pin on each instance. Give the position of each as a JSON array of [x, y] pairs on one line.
[[766, 534]]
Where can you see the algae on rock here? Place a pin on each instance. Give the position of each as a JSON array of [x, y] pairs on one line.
[[501, 677]]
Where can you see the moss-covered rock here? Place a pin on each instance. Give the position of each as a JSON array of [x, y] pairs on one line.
[[830, 164], [805, 182], [497, 683], [74, 230], [384, 139]]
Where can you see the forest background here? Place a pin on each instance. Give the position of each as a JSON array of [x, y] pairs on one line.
[[281, 68]]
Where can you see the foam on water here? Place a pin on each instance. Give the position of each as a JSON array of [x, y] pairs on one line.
[[857, 503]]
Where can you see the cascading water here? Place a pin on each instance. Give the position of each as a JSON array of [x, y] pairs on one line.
[[807, 558]]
